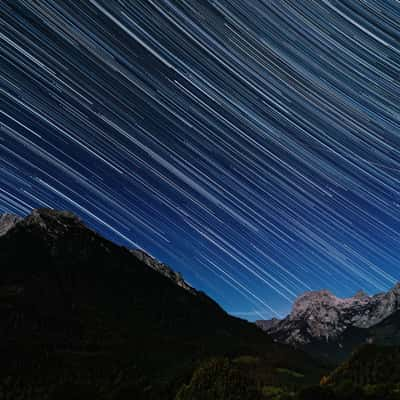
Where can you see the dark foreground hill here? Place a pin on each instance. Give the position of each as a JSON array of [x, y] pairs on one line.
[[82, 318], [369, 365], [371, 373]]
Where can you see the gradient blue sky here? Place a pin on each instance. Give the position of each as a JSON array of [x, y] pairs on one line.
[[251, 145]]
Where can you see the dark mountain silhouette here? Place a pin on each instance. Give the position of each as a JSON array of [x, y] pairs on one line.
[[83, 318]]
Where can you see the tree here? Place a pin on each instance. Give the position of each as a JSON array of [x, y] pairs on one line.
[[219, 379], [316, 393]]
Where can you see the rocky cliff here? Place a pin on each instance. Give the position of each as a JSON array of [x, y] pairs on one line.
[[321, 316]]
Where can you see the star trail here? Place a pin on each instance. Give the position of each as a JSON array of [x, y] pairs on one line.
[[252, 145]]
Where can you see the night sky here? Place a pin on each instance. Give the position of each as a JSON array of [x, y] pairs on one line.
[[253, 145]]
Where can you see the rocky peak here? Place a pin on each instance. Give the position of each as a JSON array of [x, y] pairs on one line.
[[360, 295], [396, 289], [162, 269], [54, 223], [320, 315], [310, 300], [7, 222], [50, 216]]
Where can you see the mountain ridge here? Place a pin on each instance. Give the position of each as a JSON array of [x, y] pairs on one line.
[[163, 269], [55, 221]]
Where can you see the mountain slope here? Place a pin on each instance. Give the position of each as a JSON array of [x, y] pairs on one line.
[[82, 316], [371, 373], [369, 365]]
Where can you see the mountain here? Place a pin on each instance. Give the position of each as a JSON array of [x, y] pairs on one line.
[[84, 318], [267, 324], [325, 324], [385, 333], [163, 269], [8, 221]]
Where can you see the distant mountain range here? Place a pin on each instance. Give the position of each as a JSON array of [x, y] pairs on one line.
[[83, 318], [325, 324]]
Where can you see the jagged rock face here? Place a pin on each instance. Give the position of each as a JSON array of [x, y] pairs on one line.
[[320, 315], [53, 222], [163, 269], [7, 222]]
